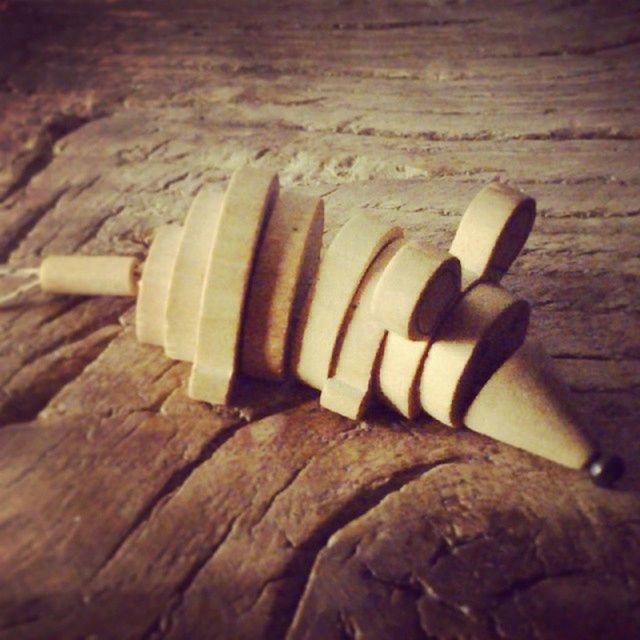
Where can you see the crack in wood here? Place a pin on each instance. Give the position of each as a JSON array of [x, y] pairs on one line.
[[290, 481], [168, 488], [346, 626], [37, 159], [25, 404], [12, 240], [437, 135], [588, 50], [163, 623], [390, 25], [32, 467], [62, 306], [410, 586], [589, 214], [198, 76], [595, 357], [83, 331], [445, 549], [521, 586], [94, 229], [362, 503], [178, 478]]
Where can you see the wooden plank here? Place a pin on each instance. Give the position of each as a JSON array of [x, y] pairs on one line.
[[129, 511]]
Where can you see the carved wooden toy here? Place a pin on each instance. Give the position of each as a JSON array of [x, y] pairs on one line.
[[241, 288]]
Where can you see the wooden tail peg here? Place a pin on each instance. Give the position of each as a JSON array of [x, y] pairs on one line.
[[90, 275], [526, 404]]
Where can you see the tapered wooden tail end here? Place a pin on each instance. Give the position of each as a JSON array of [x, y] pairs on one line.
[[526, 404]]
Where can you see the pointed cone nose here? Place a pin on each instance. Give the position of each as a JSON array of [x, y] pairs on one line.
[[526, 404]]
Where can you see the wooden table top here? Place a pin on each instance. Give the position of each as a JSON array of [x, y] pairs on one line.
[[129, 511]]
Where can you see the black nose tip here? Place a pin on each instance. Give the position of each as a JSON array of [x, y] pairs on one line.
[[605, 471]]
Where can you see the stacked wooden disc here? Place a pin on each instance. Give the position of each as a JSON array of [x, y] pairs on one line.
[[241, 288], [224, 291]]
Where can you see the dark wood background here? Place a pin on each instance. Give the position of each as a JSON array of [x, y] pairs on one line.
[[128, 511]]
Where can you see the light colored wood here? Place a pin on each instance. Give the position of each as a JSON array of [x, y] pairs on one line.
[[493, 230], [247, 201], [90, 275], [469, 279], [348, 391], [151, 306], [341, 270], [105, 521], [398, 377], [286, 265], [416, 289], [185, 291], [526, 404], [484, 328]]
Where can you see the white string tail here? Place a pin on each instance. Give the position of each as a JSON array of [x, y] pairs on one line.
[[23, 291], [7, 271], [20, 293]]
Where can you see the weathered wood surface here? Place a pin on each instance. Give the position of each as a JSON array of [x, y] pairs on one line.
[[127, 511]]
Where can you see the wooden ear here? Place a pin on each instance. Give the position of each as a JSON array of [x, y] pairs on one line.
[[286, 263], [342, 269], [153, 289], [482, 331], [493, 230], [246, 204], [187, 281], [526, 404], [348, 390], [418, 286]]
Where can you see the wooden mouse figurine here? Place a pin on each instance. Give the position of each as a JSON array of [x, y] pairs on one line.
[[241, 287]]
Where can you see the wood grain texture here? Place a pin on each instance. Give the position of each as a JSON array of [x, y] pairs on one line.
[[286, 265], [152, 302], [348, 391], [246, 206], [187, 276], [128, 511]]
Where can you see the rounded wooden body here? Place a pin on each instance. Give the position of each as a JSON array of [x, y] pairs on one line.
[[482, 331], [151, 306], [416, 289], [247, 201], [342, 268], [398, 377], [348, 390], [185, 291], [286, 264]]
